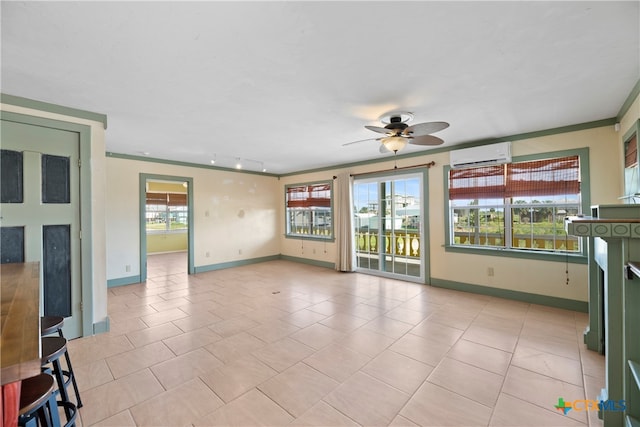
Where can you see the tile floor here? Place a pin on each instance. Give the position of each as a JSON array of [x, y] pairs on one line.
[[282, 343]]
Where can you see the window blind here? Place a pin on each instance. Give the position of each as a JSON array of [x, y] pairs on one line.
[[306, 196], [534, 178]]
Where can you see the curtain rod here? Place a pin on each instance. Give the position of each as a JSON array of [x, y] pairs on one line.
[[428, 165]]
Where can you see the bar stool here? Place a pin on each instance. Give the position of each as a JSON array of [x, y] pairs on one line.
[[38, 404], [52, 350], [50, 325]]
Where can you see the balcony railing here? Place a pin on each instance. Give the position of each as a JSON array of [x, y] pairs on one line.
[[520, 241], [396, 243]]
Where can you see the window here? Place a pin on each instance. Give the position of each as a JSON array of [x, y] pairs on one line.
[[518, 206], [166, 212], [631, 168], [308, 210]]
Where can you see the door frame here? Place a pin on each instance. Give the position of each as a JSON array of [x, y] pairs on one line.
[[85, 207], [144, 177], [425, 238]]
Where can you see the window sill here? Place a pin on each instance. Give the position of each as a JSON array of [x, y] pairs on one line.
[[184, 230], [520, 254], [314, 238]]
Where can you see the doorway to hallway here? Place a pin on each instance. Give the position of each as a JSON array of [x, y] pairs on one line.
[[166, 218]]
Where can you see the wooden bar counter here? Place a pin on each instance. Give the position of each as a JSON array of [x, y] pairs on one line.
[[20, 326]]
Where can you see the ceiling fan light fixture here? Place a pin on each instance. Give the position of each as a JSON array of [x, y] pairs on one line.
[[394, 143]]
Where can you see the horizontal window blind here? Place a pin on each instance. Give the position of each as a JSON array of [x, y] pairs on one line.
[[534, 178], [306, 196]]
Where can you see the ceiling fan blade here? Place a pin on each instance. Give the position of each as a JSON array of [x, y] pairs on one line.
[[362, 140], [381, 130], [425, 128], [425, 140]]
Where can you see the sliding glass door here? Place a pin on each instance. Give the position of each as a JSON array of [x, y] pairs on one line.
[[389, 226]]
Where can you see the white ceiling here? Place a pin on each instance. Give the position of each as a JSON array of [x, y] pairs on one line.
[[286, 84]]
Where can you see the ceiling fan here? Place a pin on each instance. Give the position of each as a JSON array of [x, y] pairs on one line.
[[398, 133]]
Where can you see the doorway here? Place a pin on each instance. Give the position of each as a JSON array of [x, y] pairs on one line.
[[166, 225], [389, 225]]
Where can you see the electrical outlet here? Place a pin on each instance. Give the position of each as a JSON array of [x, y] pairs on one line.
[[207, 254], [314, 251], [127, 268], [239, 251], [490, 271]]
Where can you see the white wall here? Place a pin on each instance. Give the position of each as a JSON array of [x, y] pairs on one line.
[[235, 214], [532, 276]]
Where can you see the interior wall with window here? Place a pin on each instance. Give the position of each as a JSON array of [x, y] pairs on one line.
[[629, 140], [533, 276], [236, 215]]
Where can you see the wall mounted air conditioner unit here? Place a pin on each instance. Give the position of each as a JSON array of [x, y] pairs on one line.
[[482, 155]]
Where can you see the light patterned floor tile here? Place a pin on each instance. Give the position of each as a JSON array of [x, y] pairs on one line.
[[398, 371], [123, 419], [513, 412], [343, 322], [324, 415], [146, 336], [182, 405], [317, 336], [496, 338], [251, 409], [366, 341], [283, 354], [420, 349], [468, 381], [388, 326], [367, 400], [542, 390], [273, 330], [111, 398], [235, 347], [140, 358], [183, 368], [93, 374], [401, 421], [303, 318], [479, 355], [189, 341], [236, 378], [196, 320], [436, 332], [432, 405], [217, 340], [561, 368], [337, 361], [159, 318], [298, 388], [233, 326]]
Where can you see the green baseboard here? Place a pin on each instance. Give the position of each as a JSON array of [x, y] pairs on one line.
[[317, 263], [567, 304], [122, 281], [102, 326], [223, 265]]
